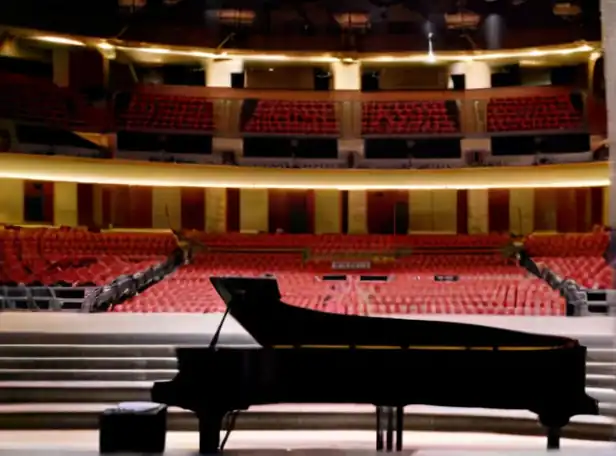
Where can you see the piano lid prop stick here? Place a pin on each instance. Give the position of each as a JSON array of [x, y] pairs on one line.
[[379, 429], [214, 340]]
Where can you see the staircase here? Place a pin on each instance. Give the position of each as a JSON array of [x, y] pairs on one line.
[[65, 385]]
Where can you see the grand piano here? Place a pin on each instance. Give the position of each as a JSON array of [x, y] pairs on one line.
[[308, 356]]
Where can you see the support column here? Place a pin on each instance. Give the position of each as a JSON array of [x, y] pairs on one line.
[[227, 113], [60, 58], [347, 76], [218, 72]]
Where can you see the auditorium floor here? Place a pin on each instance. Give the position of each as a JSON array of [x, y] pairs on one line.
[[305, 443]]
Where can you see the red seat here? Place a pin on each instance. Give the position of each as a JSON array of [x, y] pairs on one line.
[[410, 117], [533, 113], [292, 118]]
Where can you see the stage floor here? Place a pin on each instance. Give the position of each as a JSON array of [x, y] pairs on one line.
[[311, 443], [173, 323]]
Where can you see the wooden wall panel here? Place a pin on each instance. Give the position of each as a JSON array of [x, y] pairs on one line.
[[478, 212], [498, 211], [357, 212], [545, 209], [522, 210], [166, 208], [193, 208], [65, 204], [254, 215], [12, 196], [85, 205], [216, 210]]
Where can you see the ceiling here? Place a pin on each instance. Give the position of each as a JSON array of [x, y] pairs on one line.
[[336, 25]]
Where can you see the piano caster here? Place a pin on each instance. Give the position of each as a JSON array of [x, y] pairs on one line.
[[389, 421], [210, 425]]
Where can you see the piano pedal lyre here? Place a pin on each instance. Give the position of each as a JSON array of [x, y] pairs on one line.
[[389, 428]]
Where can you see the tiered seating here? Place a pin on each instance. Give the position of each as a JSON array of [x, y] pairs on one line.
[[167, 112], [488, 283], [50, 256], [292, 118], [578, 256], [409, 117], [39, 100], [534, 113]]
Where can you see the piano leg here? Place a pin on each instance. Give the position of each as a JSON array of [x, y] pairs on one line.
[[209, 432], [399, 427], [553, 434], [390, 428], [380, 423]]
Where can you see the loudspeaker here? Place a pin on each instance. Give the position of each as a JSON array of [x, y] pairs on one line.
[[321, 80], [370, 81], [133, 428], [238, 80], [459, 81]]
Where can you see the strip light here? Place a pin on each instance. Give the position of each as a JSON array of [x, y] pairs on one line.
[[91, 171]]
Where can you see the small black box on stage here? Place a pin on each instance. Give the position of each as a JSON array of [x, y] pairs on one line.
[[136, 427]]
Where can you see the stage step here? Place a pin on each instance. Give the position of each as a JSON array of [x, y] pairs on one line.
[[601, 355], [130, 375], [96, 363], [593, 368]]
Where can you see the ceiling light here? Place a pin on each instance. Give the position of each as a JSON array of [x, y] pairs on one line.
[[60, 40]]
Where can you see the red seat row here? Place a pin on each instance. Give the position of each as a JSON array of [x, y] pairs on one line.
[[293, 117], [40, 100], [409, 117], [151, 111], [533, 113], [77, 256]]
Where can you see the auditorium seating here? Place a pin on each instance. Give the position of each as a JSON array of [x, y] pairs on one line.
[[156, 111], [289, 117], [40, 100], [559, 112], [410, 117], [488, 282], [578, 256], [50, 256]]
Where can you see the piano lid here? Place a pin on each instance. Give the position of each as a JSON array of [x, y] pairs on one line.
[[256, 304]]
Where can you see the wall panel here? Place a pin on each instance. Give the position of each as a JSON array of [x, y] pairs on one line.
[[357, 212], [120, 206], [193, 208], [478, 212], [445, 204], [65, 204], [140, 203], [278, 216], [462, 211], [85, 205], [12, 201], [545, 209], [522, 210], [233, 210], [216, 210], [387, 211], [327, 217], [582, 210], [421, 211], [498, 210], [38, 202], [166, 208], [596, 206], [254, 215]]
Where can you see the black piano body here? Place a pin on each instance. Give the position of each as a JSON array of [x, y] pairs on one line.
[[309, 356]]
